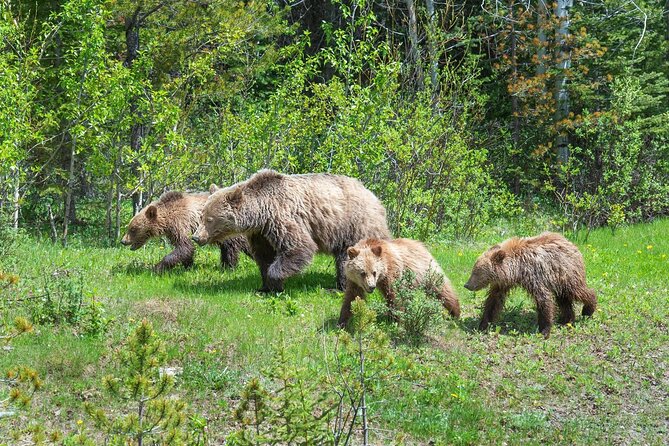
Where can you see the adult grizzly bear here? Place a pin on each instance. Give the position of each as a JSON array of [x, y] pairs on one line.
[[176, 215], [288, 218], [547, 266], [376, 263]]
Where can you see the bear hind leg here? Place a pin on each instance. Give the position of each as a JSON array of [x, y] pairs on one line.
[[450, 301], [566, 305], [589, 300]]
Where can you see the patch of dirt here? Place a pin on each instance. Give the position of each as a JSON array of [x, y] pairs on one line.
[[166, 309]]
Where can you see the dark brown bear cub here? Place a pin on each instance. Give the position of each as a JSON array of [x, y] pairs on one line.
[[176, 215], [549, 267]]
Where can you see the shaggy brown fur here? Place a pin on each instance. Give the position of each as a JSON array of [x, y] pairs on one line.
[[288, 218], [547, 266], [376, 263], [176, 215]]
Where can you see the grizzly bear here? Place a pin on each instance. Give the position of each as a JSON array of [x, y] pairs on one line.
[[547, 266], [176, 215], [376, 263], [289, 218]]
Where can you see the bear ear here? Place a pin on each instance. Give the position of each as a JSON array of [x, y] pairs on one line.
[[352, 253], [498, 256], [235, 196], [213, 188], [377, 250], [151, 212]]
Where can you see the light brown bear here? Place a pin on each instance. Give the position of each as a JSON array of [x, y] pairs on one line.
[[176, 215], [374, 263], [547, 266], [289, 218]]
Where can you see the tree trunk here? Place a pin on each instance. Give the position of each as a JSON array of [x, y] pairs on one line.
[[515, 107], [542, 15], [119, 196], [138, 129], [69, 191], [17, 197], [414, 51], [563, 64], [432, 50], [666, 24]]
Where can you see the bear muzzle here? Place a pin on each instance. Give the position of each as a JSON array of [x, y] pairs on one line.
[[471, 285], [199, 240]]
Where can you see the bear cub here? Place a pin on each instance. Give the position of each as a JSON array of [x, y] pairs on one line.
[[375, 263], [176, 215], [549, 267]]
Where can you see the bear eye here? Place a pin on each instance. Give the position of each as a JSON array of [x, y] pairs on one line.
[[210, 219], [363, 274], [374, 273]]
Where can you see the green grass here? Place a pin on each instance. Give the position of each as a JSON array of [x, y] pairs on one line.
[[602, 381]]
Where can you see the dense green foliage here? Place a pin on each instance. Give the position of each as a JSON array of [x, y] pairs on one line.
[[452, 117]]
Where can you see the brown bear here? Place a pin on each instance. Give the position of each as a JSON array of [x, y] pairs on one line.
[[547, 266], [289, 218], [376, 263], [176, 215]]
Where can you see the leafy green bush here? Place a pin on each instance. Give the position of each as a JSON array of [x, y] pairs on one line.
[[63, 301], [417, 311]]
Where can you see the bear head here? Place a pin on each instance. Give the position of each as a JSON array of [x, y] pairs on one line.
[[143, 226], [365, 265], [487, 269], [220, 215]]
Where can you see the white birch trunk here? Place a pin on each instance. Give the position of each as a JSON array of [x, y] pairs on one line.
[[563, 63]]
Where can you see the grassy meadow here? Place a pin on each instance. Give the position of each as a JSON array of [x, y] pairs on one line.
[[602, 381]]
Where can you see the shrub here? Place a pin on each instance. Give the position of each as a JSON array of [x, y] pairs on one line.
[[63, 301], [152, 415], [417, 311]]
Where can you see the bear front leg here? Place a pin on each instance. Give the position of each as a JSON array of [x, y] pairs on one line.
[[289, 263], [229, 253], [352, 292], [183, 253], [294, 248], [390, 296], [493, 305], [340, 258], [264, 255]]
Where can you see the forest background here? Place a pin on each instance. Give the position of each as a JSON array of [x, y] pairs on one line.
[[454, 113]]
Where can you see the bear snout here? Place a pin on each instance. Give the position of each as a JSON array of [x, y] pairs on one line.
[[471, 285], [125, 241], [199, 240]]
